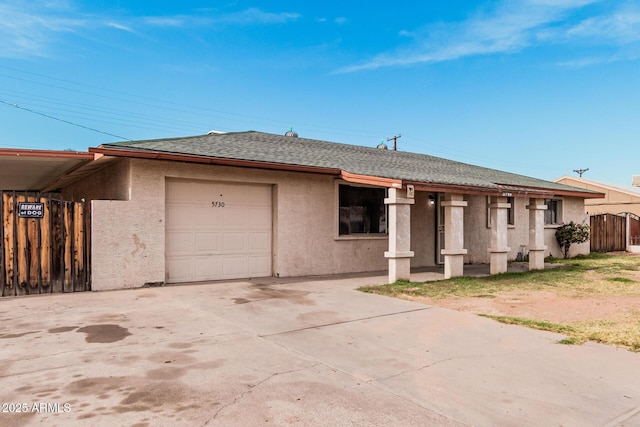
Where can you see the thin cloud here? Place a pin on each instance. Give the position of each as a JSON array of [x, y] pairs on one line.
[[167, 21], [623, 26], [511, 27], [119, 27], [29, 34], [256, 16], [252, 16], [31, 29], [584, 62], [597, 60]]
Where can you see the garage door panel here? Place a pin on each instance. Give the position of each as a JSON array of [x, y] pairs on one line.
[[179, 269], [207, 216], [234, 242], [179, 214], [207, 267], [259, 196], [259, 242], [259, 218], [211, 241], [205, 192], [179, 191], [235, 267], [207, 242], [180, 242], [260, 266], [234, 194], [235, 217]]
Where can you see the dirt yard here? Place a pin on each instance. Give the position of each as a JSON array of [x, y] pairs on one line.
[[542, 305], [548, 305]]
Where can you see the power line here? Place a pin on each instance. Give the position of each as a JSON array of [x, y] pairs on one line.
[[64, 121], [184, 108]]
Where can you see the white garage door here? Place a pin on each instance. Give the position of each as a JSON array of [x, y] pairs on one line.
[[217, 231]]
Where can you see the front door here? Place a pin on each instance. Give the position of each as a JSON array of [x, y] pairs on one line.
[[440, 243]]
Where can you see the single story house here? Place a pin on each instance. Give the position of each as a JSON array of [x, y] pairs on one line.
[[253, 204], [617, 198]]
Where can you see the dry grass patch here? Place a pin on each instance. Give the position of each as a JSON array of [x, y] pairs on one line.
[[592, 298]]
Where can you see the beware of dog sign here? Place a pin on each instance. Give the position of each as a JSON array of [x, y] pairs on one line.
[[30, 210]]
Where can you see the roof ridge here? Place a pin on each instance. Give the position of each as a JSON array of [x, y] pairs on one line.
[[269, 148]]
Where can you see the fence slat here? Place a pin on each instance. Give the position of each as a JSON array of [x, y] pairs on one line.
[[22, 285], [9, 243], [3, 273], [79, 248], [33, 256], [45, 246]]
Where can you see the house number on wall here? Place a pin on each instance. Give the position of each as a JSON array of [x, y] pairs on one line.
[[217, 204]]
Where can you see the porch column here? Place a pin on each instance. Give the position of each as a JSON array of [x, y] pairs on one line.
[[536, 234], [498, 250], [454, 251], [399, 234]]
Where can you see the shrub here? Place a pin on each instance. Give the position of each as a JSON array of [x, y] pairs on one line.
[[570, 233]]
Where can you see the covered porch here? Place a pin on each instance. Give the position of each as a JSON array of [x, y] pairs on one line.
[[449, 237]]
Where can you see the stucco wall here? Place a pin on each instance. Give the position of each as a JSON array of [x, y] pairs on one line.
[[108, 183], [572, 210], [124, 253], [305, 242], [477, 235]]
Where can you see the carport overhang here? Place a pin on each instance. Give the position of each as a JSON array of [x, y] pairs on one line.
[[38, 170]]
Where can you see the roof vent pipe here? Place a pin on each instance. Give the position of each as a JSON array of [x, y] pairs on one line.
[[291, 133], [382, 146]]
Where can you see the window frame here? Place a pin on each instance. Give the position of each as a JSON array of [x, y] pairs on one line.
[[511, 212], [359, 236], [557, 212]]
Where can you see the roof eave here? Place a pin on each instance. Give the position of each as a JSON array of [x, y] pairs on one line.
[[522, 191], [19, 152], [159, 155], [371, 180], [345, 175]]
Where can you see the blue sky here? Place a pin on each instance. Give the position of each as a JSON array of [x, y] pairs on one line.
[[537, 87]]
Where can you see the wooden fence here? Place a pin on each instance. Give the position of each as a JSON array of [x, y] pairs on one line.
[[608, 233], [44, 244], [634, 229]]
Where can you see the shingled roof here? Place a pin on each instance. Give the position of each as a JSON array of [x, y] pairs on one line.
[[265, 148]]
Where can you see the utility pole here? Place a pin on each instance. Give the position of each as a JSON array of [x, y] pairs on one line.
[[395, 139], [580, 171]]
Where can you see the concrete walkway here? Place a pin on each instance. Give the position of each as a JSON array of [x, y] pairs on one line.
[[301, 353]]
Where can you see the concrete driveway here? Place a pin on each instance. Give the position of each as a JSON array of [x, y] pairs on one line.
[[295, 353]]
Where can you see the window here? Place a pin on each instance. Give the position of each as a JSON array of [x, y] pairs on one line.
[[362, 210], [553, 214], [511, 220]]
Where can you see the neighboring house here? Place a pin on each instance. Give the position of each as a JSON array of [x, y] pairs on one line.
[[617, 198], [252, 204], [615, 225]]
